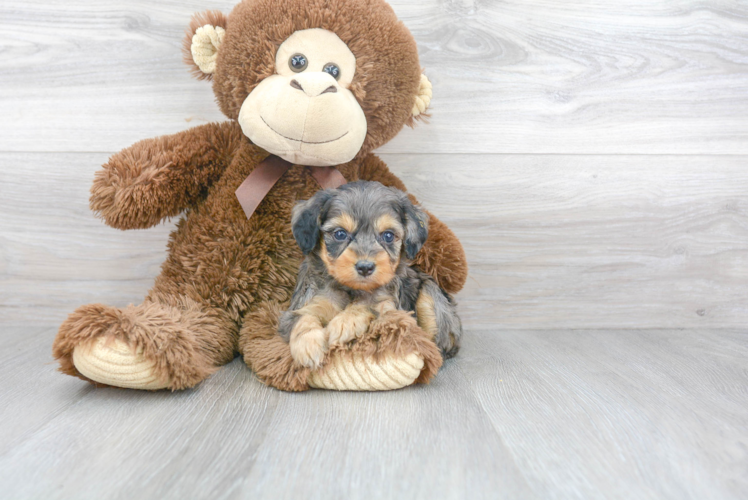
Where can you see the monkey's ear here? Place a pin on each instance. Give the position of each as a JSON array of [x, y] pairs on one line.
[[202, 40], [416, 223], [305, 220], [423, 99]]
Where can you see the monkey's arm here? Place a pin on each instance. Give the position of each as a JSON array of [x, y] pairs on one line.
[[442, 256], [160, 177]]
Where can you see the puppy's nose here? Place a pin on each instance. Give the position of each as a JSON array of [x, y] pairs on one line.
[[365, 267]]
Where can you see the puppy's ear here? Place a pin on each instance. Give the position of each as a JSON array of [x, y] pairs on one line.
[[305, 220], [416, 223]]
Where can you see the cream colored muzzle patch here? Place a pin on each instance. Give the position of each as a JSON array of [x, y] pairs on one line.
[[114, 362], [305, 115], [320, 129], [359, 373], [205, 44]]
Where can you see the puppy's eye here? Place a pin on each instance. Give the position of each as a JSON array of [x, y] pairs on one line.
[[297, 63], [340, 235], [388, 236], [332, 69]]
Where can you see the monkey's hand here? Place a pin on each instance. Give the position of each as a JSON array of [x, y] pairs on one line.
[[160, 177]]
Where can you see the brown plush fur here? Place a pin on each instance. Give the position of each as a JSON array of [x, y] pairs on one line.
[[393, 334], [224, 276], [187, 342], [396, 333], [268, 354], [387, 69], [151, 180]]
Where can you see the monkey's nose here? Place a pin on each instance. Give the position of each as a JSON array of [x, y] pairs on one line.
[[295, 84], [314, 84], [365, 267]]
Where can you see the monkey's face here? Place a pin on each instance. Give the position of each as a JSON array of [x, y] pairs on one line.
[[317, 82], [305, 112], [360, 231]]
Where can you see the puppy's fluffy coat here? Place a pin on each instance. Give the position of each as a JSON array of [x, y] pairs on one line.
[[359, 240]]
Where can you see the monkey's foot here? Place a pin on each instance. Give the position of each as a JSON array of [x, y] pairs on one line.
[[147, 346], [393, 353], [364, 373], [112, 361]]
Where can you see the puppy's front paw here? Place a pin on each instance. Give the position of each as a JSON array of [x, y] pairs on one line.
[[350, 324], [309, 348]]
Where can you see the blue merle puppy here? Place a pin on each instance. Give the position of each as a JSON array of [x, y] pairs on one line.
[[359, 241]]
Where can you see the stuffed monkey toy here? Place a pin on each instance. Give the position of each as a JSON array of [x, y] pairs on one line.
[[311, 88]]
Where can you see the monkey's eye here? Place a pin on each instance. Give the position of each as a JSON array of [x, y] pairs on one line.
[[332, 70], [297, 63], [340, 235], [388, 236]]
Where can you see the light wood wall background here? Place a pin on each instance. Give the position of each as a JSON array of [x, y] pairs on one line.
[[592, 156]]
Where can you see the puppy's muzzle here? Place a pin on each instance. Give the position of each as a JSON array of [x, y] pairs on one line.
[[365, 267]]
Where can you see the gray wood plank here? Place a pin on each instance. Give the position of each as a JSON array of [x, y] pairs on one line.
[[422, 442], [232, 437], [556, 242], [116, 443], [660, 414], [552, 241], [509, 77], [32, 392], [518, 414], [593, 241]]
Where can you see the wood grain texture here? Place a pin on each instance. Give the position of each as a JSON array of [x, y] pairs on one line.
[[660, 413], [518, 414], [593, 241], [235, 438], [590, 156], [509, 77], [552, 241]]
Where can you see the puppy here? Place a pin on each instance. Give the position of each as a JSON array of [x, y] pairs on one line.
[[359, 241]]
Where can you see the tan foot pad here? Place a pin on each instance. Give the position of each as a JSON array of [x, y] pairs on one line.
[[113, 362], [366, 374]]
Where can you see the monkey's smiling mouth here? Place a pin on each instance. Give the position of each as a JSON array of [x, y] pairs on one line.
[[299, 140]]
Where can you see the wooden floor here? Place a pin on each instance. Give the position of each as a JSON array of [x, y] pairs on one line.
[[591, 156], [520, 414]]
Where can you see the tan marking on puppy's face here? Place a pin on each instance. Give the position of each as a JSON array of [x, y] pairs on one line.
[[343, 221], [388, 222], [392, 249], [385, 270], [343, 269]]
